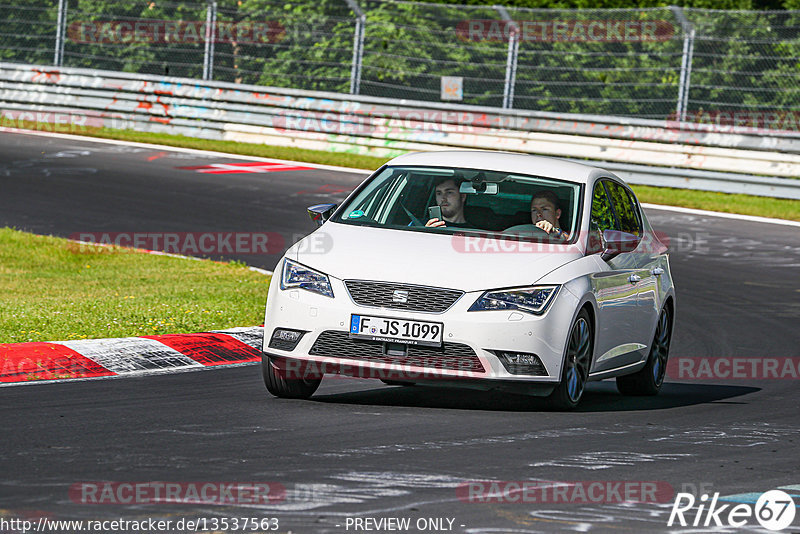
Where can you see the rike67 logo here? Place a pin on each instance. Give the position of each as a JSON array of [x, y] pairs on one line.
[[774, 510]]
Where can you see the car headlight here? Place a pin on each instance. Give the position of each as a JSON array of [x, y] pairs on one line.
[[525, 299], [297, 275]]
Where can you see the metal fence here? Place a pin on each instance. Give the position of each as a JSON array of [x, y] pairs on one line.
[[721, 67]]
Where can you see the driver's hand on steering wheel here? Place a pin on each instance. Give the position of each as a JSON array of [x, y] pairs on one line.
[[545, 225], [552, 230]]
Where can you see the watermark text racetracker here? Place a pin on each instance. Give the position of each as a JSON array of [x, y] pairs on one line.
[[565, 492], [399, 368], [738, 121], [549, 31], [53, 121], [734, 367], [174, 31], [177, 492], [378, 122], [193, 243], [479, 242], [186, 242]]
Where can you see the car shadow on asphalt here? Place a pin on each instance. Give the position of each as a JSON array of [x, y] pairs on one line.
[[598, 397]]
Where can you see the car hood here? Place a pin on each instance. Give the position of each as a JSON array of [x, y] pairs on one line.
[[441, 260]]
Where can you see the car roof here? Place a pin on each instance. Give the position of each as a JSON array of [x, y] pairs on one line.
[[504, 162]]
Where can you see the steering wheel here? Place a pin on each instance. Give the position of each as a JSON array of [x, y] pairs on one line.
[[527, 229]]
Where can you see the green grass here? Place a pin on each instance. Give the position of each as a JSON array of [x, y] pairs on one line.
[[52, 289], [687, 198], [779, 208]]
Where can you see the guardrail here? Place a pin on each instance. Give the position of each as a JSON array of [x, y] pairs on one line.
[[645, 151]]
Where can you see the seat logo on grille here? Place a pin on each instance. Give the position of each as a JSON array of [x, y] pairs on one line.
[[400, 296]]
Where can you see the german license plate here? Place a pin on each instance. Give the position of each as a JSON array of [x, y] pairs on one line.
[[396, 330]]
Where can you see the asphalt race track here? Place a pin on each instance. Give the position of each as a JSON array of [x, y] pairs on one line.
[[362, 449]]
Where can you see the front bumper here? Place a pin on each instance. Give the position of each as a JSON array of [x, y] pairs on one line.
[[467, 359]]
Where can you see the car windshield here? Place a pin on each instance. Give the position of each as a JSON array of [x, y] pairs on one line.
[[473, 199]]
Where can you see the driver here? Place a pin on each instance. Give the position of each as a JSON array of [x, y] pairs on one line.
[[452, 203], [545, 214]]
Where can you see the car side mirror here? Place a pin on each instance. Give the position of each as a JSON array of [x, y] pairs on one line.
[[616, 242], [320, 213]]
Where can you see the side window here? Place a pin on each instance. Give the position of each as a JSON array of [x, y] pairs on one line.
[[602, 216], [602, 219], [625, 208]]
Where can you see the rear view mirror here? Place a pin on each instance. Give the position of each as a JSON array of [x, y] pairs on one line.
[[616, 242], [320, 213], [482, 188]]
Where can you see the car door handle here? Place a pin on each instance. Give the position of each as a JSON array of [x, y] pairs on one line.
[[658, 271], [634, 278]]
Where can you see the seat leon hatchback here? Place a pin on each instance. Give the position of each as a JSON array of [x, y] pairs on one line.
[[475, 269]]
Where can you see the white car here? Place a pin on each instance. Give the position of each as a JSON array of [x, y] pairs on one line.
[[490, 302]]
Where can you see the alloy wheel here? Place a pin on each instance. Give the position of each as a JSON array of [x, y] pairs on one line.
[[661, 348], [578, 359]]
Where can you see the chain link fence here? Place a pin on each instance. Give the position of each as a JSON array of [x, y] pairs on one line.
[[725, 67]]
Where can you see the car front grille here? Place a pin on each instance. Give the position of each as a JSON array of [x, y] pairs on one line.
[[453, 356], [402, 296]]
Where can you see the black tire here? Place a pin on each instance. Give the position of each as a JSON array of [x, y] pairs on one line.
[[649, 379], [577, 360], [287, 388], [396, 382]]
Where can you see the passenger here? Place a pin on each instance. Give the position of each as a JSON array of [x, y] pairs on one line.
[[452, 203]]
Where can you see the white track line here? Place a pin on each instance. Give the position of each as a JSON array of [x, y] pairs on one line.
[[181, 149], [749, 218]]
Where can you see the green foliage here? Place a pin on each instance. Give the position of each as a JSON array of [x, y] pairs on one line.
[[754, 67], [28, 33], [93, 39], [311, 49], [744, 60]]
